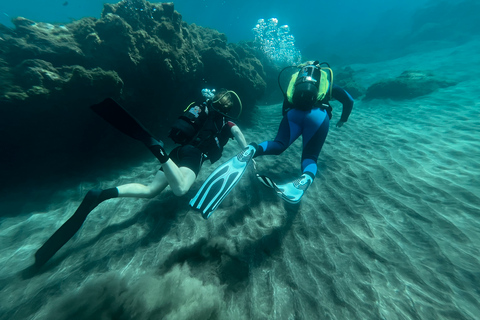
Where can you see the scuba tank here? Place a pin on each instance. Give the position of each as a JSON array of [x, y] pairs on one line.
[[311, 83], [306, 86], [186, 129]]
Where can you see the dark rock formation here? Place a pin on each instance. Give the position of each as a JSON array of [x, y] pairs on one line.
[[345, 78], [409, 85], [141, 54]]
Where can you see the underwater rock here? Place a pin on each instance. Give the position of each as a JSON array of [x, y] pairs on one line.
[[409, 85], [6, 77], [140, 53], [32, 40], [345, 78], [243, 65], [39, 81]]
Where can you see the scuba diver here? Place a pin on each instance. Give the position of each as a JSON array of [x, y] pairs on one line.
[[306, 112], [202, 132]]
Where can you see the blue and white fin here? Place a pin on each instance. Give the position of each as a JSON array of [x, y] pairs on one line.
[[221, 181], [266, 181], [291, 192]]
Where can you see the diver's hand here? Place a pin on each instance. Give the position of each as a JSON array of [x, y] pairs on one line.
[[340, 123]]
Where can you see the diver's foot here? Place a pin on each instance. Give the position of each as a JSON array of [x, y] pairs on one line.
[[156, 148], [159, 152], [151, 141], [293, 192]]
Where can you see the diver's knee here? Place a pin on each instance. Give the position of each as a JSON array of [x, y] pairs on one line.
[[180, 191], [279, 148], [149, 195]]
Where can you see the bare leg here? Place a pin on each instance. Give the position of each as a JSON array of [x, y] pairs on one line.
[[138, 190], [179, 179]]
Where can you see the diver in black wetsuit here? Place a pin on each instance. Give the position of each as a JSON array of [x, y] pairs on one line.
[[307, 112], [202, 132]]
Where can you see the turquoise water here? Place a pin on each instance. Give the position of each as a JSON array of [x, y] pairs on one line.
[[318, 26], [389, 229]]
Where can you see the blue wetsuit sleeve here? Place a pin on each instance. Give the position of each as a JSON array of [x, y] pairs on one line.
[[338, 93]]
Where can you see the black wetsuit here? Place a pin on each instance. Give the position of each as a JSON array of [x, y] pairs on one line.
[[208, 142]]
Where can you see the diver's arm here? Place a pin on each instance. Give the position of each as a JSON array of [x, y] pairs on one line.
[[286, 106], [239, 137], [346, 100]]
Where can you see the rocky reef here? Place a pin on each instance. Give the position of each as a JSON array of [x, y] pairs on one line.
[[141, 54], [410, 84], [345, 78]]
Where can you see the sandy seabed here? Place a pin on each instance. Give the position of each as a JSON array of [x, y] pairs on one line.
[[389, 230]]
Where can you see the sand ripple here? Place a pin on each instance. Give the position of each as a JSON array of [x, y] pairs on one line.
[[389, 230]]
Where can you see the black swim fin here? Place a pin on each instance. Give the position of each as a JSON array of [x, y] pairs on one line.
[[123, 121], [72, 225], [221, 181]]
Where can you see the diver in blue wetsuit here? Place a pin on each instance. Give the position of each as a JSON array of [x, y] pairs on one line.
[[306, 112]]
